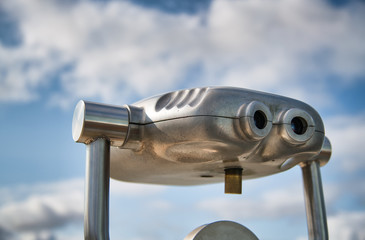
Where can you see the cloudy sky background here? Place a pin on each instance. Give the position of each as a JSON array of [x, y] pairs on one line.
[[53, 53]]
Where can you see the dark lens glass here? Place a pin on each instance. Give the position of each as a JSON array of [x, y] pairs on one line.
[[260, 119], [299, 125]]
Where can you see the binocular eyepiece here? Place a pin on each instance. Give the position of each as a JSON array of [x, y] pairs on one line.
[[295, 125]]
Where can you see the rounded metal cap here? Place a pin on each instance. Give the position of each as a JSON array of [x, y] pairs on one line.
[[325, 154], [78, 121], [94, 120], [222, 230]]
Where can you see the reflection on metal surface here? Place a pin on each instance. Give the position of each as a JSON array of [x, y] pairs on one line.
[[255, 120], [298, 126], [93, 120], [200, 136], [175, 138], [180, 99], [222, 230], [325, 154]]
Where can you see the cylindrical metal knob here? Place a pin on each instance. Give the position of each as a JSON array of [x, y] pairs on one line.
[[94, 120]]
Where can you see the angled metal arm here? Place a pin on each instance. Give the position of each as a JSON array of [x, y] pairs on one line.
[[98, 126]]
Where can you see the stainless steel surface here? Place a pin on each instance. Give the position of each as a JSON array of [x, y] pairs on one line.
[[222, 230], [304, 133], [199, 136], [249, 119], [191, 136], [96, 214], [233, 181], [325, 154], [94, 120], [314, 199]]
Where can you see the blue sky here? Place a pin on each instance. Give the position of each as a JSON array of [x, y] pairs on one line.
[[54, 53]]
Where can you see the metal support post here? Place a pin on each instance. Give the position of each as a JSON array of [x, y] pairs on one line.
[[96, 217], [98, 126], [314, 201]]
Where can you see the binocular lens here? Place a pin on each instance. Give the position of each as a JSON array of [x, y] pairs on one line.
[[299, 125], [260, 119]]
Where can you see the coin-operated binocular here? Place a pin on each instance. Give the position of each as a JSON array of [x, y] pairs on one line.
[[201, 136]]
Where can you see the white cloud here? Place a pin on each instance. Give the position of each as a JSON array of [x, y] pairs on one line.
[[43, 206], [116, 51], [278, 203], [43, 212], [278, 43], [124, 189], [110, 50], [160, 205], [347, 226], [39, 211], [346, 133], [287, 203]]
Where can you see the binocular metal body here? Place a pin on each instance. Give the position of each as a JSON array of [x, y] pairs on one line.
[[201, 136]]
